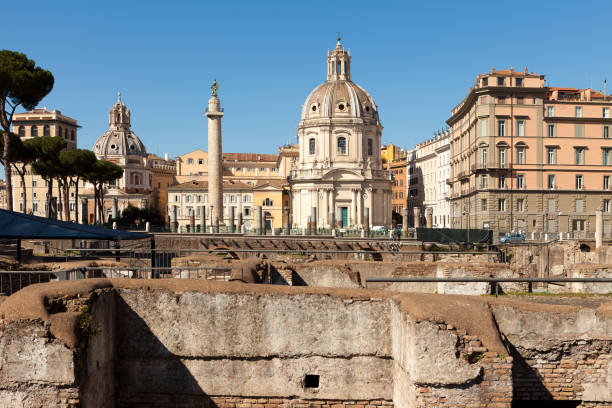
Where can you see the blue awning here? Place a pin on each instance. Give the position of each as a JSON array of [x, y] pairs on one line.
[[15, 225]]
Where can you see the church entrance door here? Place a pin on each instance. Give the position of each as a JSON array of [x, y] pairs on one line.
[[344, 211]]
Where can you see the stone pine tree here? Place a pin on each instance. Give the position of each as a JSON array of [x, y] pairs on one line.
[[82, 162], [101, 173], [24, 84], [47, 150], [22, 155]]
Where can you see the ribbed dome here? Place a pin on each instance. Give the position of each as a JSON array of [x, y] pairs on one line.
[[119, 139], [339, 98], [118, 142]]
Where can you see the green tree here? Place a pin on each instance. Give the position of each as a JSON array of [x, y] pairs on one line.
[[82, 162], [24, 84], [47, 150], [22, 155], [101, 173]]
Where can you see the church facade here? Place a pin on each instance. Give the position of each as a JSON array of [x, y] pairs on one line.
[[338, 180]]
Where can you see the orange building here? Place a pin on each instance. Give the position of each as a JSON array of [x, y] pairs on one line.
[[528, 157]]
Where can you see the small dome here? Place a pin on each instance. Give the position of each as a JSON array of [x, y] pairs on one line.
[[339, 98], [118, 142]]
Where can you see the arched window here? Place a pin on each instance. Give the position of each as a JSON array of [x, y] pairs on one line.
[[34, 131], [370, 147], [311, 146], [267, 202], [46, 130], [21, 131], [339, 67], [342, 145]]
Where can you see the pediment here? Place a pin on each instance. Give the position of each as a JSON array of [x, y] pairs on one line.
[[343, 175]]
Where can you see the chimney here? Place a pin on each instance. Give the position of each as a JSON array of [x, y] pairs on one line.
[[166, 156]]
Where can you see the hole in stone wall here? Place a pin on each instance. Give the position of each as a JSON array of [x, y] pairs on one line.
[[311, 381], [585, 248], [341, 107]]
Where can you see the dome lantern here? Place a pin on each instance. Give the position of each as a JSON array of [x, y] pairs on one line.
[[338, 63]]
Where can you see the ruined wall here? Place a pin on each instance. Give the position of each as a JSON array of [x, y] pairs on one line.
[[185, 344], [565, 356]]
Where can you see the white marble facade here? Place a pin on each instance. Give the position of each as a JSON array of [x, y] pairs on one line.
[[339, 174]]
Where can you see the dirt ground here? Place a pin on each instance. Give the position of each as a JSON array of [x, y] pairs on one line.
[[581, 300]]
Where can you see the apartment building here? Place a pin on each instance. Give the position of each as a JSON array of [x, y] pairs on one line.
[[528, 157]]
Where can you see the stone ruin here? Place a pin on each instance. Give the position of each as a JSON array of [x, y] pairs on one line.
[[186, 343]]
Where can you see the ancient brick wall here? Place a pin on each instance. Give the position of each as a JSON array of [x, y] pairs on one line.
[[257, 402]]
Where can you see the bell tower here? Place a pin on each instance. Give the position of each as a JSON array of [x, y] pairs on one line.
[[339, 63]]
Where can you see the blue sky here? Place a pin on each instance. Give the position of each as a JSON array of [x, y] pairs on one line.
[[417, 60]]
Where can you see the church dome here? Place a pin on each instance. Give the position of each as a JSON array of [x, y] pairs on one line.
[[339, 96], [119, 140]]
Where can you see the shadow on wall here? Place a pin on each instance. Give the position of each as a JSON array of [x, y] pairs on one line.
[[139, 364]]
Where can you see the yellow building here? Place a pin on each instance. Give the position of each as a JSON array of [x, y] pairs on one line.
[[274, 199]]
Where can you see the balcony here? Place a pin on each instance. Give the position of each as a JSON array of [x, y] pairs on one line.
[[489, 166]]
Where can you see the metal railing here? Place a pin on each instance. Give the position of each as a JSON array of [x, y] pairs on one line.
[[493, 281]]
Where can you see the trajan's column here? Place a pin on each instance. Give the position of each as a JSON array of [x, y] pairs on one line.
[[214, 112]]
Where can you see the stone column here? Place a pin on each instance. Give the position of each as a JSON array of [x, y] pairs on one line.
[[332, 208], [313, 220], [260, 221], [359, 209], [325, 212], [191, 220], [115, 210], [84, 214], [353, 208], [286, 224], [232, 219], [598, 228], [366, 219], [214, 113], [429, 217], [405, 222], [173, 221], [202, 219], [417, 217]]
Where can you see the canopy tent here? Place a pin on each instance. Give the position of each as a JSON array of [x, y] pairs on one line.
[[15, 225]]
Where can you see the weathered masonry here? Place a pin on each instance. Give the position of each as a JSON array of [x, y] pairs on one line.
[[131, 343]]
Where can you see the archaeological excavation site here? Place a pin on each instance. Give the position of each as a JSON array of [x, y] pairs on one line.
[[266, 323]]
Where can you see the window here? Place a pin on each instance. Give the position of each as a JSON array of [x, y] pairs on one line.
[[606, 112], [485, 81], [501, 127], [579, 155], [520, 181], [267, 202], [199, 198], [341, 145], [46, 130], [502, 156], [501, 204], [551, 130], [188, 198], [189, 161], [500, 81], [72, 135], [483, 181], [579, 205], [520, 128], [606, 132], [501, 99], [520, 205], [552, 205], [502, 181], [35, 207], [34, 183], [247, 199], [34, 131], [550, 111], [483, 127], [579, 182], [551, 156], [520, 155], [273, 169], [606, 157], [606, 182], [483, 157], [518, 81], [606, 205], [177, 198], [483, 204], [200, 161], [21, 131], [520, 100], [579, 130], [370, 147], [552, 181], [232, 198], [578, 111]]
